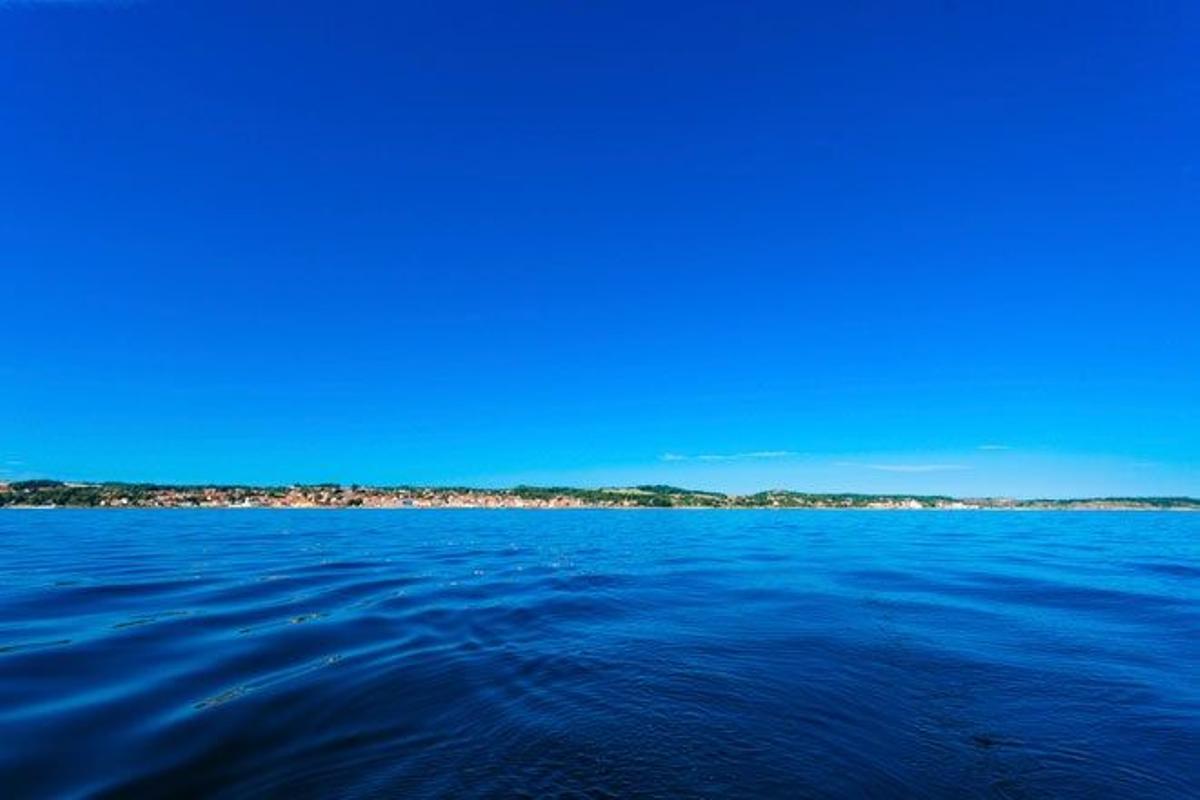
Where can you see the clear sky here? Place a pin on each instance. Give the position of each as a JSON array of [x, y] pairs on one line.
[[859, 245]]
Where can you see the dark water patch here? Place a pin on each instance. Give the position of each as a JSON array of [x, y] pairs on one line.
[[1186, 571], [325, 567], [150, 619], [1065, 595], [92, 598], [23, 646]]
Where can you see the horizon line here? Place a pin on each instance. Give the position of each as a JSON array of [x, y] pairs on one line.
[[661, 487]]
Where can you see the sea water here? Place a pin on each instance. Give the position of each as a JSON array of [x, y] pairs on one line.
[[659, 654]]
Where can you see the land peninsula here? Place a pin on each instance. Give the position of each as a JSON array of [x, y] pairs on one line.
[[64, 494]]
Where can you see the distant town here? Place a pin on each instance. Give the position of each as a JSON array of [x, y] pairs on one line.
[[66, 494]]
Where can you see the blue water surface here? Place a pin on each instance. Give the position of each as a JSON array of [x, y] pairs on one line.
[[659, 654]]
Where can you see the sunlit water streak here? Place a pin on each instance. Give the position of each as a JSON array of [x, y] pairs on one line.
[[599, 654]]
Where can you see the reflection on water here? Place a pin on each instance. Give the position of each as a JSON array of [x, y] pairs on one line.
[[600, 653]]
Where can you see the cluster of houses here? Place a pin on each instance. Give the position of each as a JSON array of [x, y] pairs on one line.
[[322, 497]]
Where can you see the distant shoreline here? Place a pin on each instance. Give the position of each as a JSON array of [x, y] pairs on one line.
[[833, 509], [52, 494]]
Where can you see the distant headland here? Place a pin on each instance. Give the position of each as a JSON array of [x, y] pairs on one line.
[[70, 494]]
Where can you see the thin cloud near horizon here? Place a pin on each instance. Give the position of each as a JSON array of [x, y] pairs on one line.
[[753, 454], [909, 468]]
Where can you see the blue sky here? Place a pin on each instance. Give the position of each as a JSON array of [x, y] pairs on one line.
[[862, 246]]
